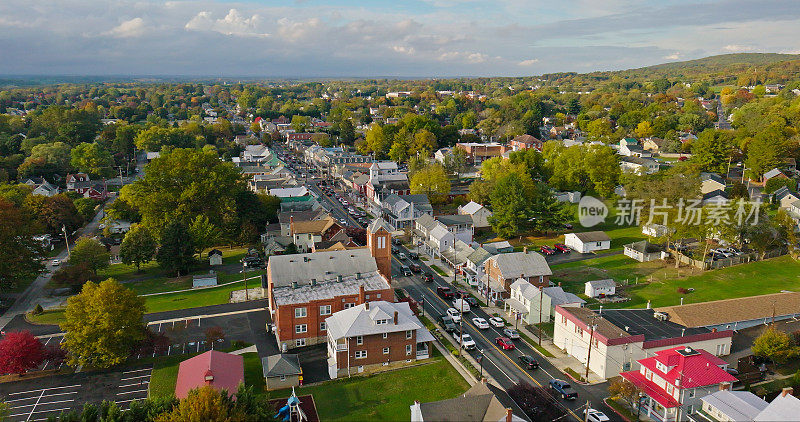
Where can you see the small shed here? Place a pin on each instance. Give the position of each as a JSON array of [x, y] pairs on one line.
[[204, 280], [282, 371], [643, 251], [598, 288], [587, 242], [223, 371], [214, 257]]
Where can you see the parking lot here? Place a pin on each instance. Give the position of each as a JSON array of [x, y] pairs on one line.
[[39, 398], [188, 335]]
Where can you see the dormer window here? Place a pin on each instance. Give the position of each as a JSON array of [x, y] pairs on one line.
[[381, 321]]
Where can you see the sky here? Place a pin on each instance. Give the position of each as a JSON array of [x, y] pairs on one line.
[[380, 38]]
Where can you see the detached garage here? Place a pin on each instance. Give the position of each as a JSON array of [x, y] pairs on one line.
[[587, 242]]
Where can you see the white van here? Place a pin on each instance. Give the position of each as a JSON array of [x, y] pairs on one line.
[[458, 303]]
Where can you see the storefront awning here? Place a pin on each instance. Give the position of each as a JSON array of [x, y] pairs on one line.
[[516, 305]]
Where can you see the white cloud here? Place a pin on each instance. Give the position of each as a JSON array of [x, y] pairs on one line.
[[463, 57], [673, 56], [403, 49], [233, 24], [737, 48], [295, 31], [529, 62], [129, 29]]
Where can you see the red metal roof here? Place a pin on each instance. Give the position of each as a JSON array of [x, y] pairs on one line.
[[651, 389], [696, 370], [217, 369]]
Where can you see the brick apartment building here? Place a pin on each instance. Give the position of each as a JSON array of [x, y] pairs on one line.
[[375, 335], [503, 269], [305, 289], [478, 152]]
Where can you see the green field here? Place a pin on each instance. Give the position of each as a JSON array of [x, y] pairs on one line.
[[386, 396], [659, 282]]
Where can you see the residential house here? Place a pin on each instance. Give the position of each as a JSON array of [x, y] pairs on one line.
[[221, 371], [774, 173], [83, 185], [639, 165], [304, 289], [533, 305], [717, 197], [571, 197], [710, 182], [586, 242], [479, 152], [118, 226], [620, 337], [441, 153], [784, 407], [385, 179], [480, 214], [282, 371], [375, 335], [732, 406], [600, 288], [473, 267], [643, 251], [401, 211], [460, 225], [498, 247], [630, 147], [656, 230], [439, 240], [785, 197], [478, 404], [286, 218], [306, 234], [654, 145], [503, 269], [45, 188], [523, 142], [214, 257], [674, 380]]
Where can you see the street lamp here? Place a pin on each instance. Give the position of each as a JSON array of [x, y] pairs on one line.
[[480, 361]]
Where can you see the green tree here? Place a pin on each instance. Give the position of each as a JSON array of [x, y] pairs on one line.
[[138, 247], [72, 276], [602, 168], [510, 205], [377, 141], [456, 162], [176, 252], [102, 323], [480, 191], [91, 253], [424, 142], [776, 345], [776, 183], [644, 129], [47, 160], [712, 151], [300, 123], [85, 208], [432, 181], [92, 159], [204, 234], [16, 234]]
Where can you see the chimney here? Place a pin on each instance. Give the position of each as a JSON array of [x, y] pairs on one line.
[[648, 304], [724, 386], [509, 415], [362, 294], [787, 391], [484, 381], [395, 317], [208, 377], [366, 306], [294, 285], [525, 250]]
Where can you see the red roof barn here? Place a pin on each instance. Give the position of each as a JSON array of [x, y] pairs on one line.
[[217, 369]]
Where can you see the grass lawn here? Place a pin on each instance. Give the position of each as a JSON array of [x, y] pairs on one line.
[[726, 283], [193, 299], [438, 270], [165, 373], [386, 396], [54, 316]]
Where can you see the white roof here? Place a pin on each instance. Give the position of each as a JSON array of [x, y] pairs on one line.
[[737, 405], [782, 408], [772, 173], [602, 283], [289, 192], [439, 231], [471, 208], [360, 321]]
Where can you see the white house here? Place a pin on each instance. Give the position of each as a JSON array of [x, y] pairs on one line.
[[587, 242], [214, 257], [709, 182], [595, 288], [638, 165], [460, 225], [440, 239], [480, 215], [526, 299]]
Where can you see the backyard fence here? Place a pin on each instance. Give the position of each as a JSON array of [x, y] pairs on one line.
[[710, 264]]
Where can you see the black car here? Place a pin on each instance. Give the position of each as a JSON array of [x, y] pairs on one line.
[[428, 278], [528, 362], [416, 268], [444, 292], [413, 255], [395, 249], [472, 301], [448, 324]]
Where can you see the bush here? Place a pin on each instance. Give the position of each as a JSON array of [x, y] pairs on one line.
[[38, 309], [683, 290]]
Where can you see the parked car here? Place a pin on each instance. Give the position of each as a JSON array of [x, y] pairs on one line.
[[511, 333], [56, 262], [472, 301], [497, 322], [406, 270], [505, 343], [448, 324], [454, 314], [444, 292], [413, 255], [480, 323], [563, 388], [462, 305], [594, 415], [561, 248], [466, 341], [428, 278], [416, 268], [528, 362], [547, 250], [395, 249], [402, 256]]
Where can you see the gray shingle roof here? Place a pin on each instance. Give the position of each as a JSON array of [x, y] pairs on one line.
[[596, 236], [453, 220], [521, 264], [360, 321], [281, 364], [301, 268]]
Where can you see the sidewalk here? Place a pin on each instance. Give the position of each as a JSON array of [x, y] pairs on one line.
[[561, 360]]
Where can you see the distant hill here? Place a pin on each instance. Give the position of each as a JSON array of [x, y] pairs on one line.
[[712, 64]]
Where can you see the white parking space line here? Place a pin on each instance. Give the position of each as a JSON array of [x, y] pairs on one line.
[[135, 384], [43, 389], [48, 395], [133, 378], [131, 392], [137, 370]]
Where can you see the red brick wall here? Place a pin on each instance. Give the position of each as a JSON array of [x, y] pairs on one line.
[[374, 344]]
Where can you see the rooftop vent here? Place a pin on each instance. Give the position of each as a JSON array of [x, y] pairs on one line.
[[294, 284], [313, 281]]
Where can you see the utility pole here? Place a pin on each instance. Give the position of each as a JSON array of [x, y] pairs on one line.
[[589, 353], [461, 327], [244, 278], [586, 412], [541, 298], [66, 240]]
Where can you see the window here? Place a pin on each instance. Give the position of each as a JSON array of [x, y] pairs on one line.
[[379, 295], [325, 310], [408, 349], [300, 342], [300, 312], [360, 340], [409, 334], [385, 335], [564, 319], [283, 377], [300, 328], [323, 326], [381, 321], [361, 354], [691, 393], [599, 244], [385, 350], [348, 305]]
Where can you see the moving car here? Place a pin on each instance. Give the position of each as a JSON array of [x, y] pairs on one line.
[[56, 262], [413, 255], [444, 292], [563, 389], [402, 256], [561, 247], [416, 268], [511, 333], [480, 323], [454, 314], [528, 362], [547, 250], [505, 343], [448, 324], [466, 341], [406, 271], [497, 322], [594, 415], [462, 305], [428, 278]]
